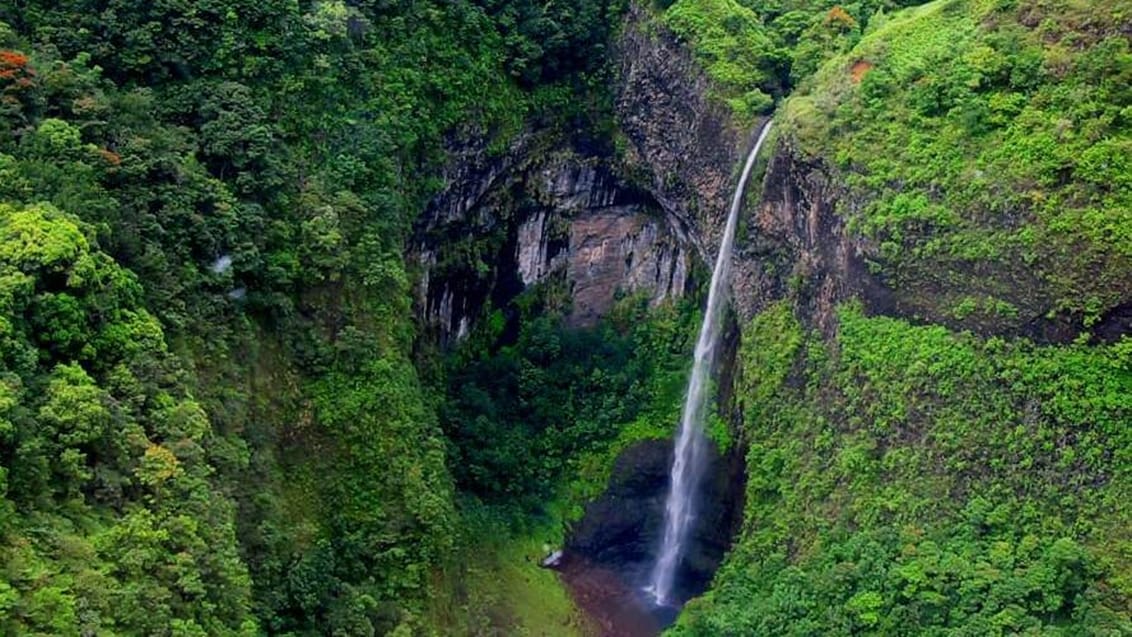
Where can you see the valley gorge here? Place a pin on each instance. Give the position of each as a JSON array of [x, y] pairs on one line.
[[437, 386]]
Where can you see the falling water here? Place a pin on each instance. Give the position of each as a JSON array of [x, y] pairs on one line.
[[687, 465]]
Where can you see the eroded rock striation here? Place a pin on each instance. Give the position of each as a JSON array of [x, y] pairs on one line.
[[682, 145], [685, 147], [505, 223]]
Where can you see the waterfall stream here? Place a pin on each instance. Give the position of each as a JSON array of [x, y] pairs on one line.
[[687, 465]]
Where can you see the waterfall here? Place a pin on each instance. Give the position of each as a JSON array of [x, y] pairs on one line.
[[687, 465]]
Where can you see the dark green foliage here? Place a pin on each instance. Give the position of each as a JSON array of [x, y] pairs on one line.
[[520, 417], [909, 479], [550, 41], [237, 181]]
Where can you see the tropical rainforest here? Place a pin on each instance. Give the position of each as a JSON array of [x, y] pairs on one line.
[[224, 409]]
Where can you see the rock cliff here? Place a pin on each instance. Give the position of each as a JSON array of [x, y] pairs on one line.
[[686, 148], [681, 143], [532, 215], [797, 244]]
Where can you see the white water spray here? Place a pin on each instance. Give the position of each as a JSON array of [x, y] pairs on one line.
[[687, 465]]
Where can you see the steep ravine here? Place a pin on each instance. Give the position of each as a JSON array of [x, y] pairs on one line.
[[599, 226], [682, 149], [594, 227]]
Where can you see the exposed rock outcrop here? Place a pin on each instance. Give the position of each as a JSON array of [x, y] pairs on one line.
[[686, 147], [797, 244], [620, 531], [530, 216], [681, 141]]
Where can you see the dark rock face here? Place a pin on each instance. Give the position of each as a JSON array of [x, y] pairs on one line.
[[621, 530], [623, 526], [797, 244], [688, 149], [505, 223], [681, 141], [1115, 324]]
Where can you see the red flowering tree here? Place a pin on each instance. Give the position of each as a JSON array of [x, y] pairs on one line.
[[17, 78]]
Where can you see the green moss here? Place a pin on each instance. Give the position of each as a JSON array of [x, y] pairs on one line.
[[772, 342], [494, 584]]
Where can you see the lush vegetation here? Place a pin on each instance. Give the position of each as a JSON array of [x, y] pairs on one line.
[[755, 51], [211, 419], [523, 419], [108, 515], [906, 479], [985, 146], [492, 584], [215, 419]]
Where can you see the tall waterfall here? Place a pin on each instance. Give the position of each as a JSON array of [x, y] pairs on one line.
[[687, 465]]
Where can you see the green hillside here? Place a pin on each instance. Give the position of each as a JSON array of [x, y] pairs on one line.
[[220, 413]]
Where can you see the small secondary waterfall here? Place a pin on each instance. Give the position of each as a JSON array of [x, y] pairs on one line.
[[687, 464]]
